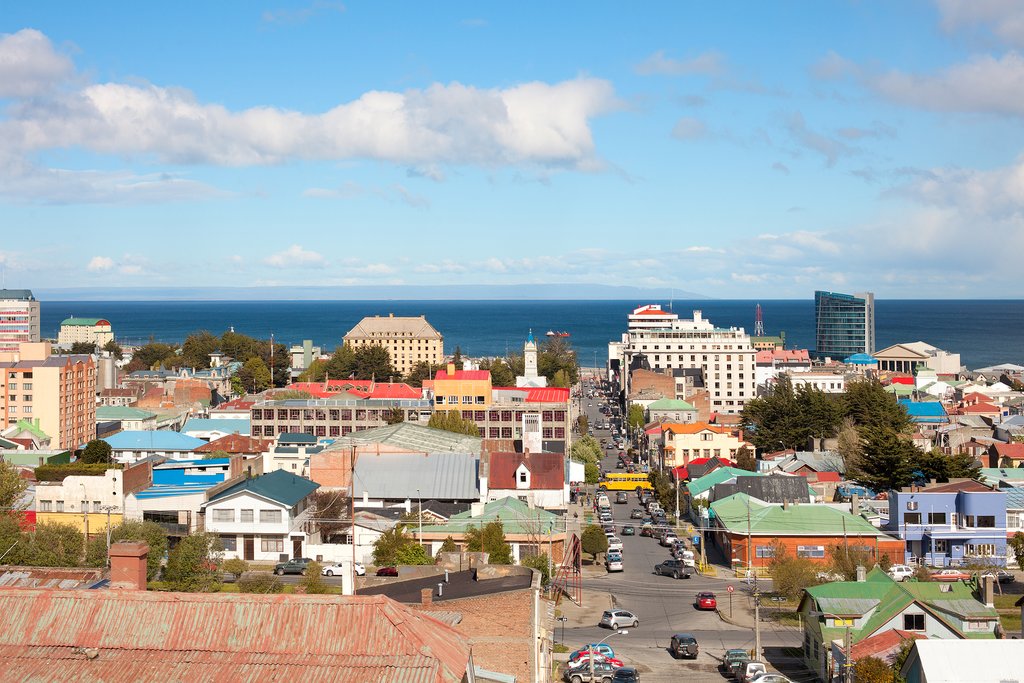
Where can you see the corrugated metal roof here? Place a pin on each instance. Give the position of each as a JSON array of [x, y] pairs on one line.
[[160, 440], [280, 485], [847, 606], [411, 437], [239, 637], [398, 476]]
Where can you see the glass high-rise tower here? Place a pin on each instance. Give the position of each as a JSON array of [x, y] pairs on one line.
[[844, 324]]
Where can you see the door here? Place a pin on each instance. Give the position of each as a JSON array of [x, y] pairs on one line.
[[249, 547], [297, 547]]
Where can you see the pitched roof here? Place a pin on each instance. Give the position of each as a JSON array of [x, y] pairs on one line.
[[280, 486], [122, 413], [375, 327], [516, 517], [1014, 451], [883, 643], [84, 322], [402, 476], [206, 637], [773, 488], [213, 424], [734, 512], [547, 470], [924, 411], [411, 437], [715, 477], [694, 428], [237, 443], [670, 404], [956, 661], [159, 440], [443, 375]]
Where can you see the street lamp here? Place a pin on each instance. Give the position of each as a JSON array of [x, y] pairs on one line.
[[591, 649], [847, 644]]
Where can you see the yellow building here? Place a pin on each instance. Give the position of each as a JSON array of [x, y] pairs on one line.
[[55, 393], [681, 443], [87, 330], [408, 340], [462, 389]]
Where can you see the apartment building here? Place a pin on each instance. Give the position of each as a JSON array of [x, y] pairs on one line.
[[725, 356], [19, 318], [85, 330], [844, 324], [409, 340], [56, 393]]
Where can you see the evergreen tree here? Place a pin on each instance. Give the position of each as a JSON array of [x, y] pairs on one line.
[[254, 375], [96, 451], [196, 349], [452, 421], [373, 362], [489, 539], [776, 421], [870, 406], [421, 371], [593, 541], [886, 462], [341, 364]]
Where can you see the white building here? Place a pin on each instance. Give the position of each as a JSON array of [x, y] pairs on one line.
[[85, 330], [530, 376], [262, 519], [826, 382], [19, 318], [724, 355], [908, 358], [537, 479], [291, 453]]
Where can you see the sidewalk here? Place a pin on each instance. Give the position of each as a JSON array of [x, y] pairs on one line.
[[595, 602]]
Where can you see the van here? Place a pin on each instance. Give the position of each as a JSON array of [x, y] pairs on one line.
[[603, 502], [901, 572]]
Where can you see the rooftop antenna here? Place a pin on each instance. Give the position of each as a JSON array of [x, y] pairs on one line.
[[758, 322], [671, 298]]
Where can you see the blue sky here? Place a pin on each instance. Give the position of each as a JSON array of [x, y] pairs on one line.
[[738, 150]]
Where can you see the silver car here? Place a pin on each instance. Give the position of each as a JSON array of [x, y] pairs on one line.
[[618, 618]]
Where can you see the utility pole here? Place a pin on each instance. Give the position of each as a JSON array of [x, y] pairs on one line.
[[85, 522], [847, 652], [757, 624]]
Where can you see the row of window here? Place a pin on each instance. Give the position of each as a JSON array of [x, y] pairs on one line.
[[267, 545], [466, 400], [227, 516], [58, 506], [372, 415], [972, 521]]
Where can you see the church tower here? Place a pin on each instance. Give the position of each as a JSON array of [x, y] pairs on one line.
[[530, 377]]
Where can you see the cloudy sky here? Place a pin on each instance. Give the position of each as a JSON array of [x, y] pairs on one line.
[[739, 150]]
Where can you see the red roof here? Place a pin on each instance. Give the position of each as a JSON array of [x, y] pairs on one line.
[[980, 408], [462, 374], [237, 443], [902, 380], [547, 470], [357, 388], [882, 644], [724, 462], [823, 476], [1013, 451], [238, 404], [680, 473], [540, 394], [783, 355]]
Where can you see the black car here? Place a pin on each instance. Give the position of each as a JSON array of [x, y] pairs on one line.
[[636, 513], [684, 646], [673, 568], [295, 566], [626, 674], [629, 530]]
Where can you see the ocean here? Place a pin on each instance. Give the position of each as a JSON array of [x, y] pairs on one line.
[[983, 332]]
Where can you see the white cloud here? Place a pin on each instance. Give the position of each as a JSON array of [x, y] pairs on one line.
[[130, 269], [689, 128], [29, 65], [296, 257], [705, 64], [834, 66], [1004, 17], [817, 142], [99, 264]]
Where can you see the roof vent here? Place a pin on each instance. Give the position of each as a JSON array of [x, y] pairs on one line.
[[945, 588]]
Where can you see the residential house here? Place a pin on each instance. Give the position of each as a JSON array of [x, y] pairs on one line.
[[681, 443], [530, 531], [803, 463], [131, 447], [210, 429], [949, 524], [927, 416], [978, 661], [946, 611], [671, 410], [235, 409], [116, 396], [393, 479], [825, 382], [1006, 455], [291, 452], [130, 419], [177, 494], [237, 444], [90, 502], [700, 488], [772, 488], [261, 518], [28, 434], [1014, 519], [748, 530], [242, 636], [884, 645], [538, 479]]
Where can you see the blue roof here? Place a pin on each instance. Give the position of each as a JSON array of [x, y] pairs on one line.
[[213, 424], [924, 411], [295, 437], [861, 359], [198, 462], [159, 440]]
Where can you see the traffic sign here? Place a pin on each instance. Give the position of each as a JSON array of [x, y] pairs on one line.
[[696, 540], [730, 589], [562, 618]]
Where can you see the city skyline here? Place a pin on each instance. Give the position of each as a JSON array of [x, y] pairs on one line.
[[734, 151]]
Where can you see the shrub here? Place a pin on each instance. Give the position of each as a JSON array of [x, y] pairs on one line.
[[313, 582], [58, 472], [259, 582], [235, 567]]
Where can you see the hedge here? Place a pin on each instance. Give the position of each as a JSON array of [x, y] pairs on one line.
[[58, 472]]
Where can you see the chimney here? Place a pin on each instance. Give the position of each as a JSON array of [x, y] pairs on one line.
[[476, 509], [854, 504], [451, 369], [128, 565], [426, 596], [862, 574], [988, 591]]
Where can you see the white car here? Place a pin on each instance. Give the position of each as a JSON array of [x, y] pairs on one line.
[[668, 539], [338, 568], [613, 562], [901, 572], [614, 544]]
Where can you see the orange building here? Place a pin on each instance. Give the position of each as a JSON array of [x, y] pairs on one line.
[[681, 443], [459, 389]]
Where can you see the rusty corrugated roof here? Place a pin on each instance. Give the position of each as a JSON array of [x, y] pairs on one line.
[[139, 636]]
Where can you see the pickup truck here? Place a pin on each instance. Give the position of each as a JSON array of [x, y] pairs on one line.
[[674, 568], [684, 646]]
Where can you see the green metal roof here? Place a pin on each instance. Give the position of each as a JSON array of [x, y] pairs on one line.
[[280, 486], [670, 404], [32, 429], [715, 477], [516, 517], [739, 510], [122, 413], [82, 322]]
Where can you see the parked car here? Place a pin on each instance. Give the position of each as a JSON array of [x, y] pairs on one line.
[[769, 677], [602, 648], [629, 530], [636, 513], [685, 556], [673, 568], [901, 572], [750, 670], [684, 646], [295, 566], [613, 562], [731, 657], [668, 538], [387, 571], [705, 600], [621, 498], [615, 543], [339, 568], [583, 658], [950, 575], [737, 666], [626, 674], [618, 618], [603, 673], [1000, 575]]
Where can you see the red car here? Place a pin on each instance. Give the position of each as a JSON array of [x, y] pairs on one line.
[[705, 601], [950, 575], [387, 571], [583, 657]]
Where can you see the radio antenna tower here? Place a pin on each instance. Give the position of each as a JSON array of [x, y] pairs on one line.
[[758, 322]]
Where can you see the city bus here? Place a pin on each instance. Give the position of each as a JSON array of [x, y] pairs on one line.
[[616, 481]]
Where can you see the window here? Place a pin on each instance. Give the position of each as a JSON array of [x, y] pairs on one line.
[[272, 545], [940, 546], [223, 515], [810, 551], [981, 550], [27, 409], [45, 505], [912, 518], [60, 506], [522, 477], [913, 622], [270, 516], [246, 516], [229, 543], [96, 506], [936, 517], [765, 551], [467, 400], [986, 522]]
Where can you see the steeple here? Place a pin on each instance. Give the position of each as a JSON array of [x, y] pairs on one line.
[[530, 376]]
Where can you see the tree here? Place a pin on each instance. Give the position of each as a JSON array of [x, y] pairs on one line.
[[844, 560], [849, 443], [886, 461], [313, 582], [822, 412], [452, 421], [12, 542], [53, 545], [540, 563], [635, 418], [790, 575], [114, 349], [745, 460], [582, 424], [448, 546], [394, 416], [501, 373], [194, 564], [901, 658], [260, 582], [489, 539], [457, 357], [341, 364], [254, 375], [935, 464], [561, 379], [419, 372], [394, 547], [872, 670], [591, 473], [12, 488], [664, 489], [373, 362], [870, 406], [96, 451], [586, 449], [329, 510], [83, 347], [413, 553], [593, 541], [236, 567], [776, 421], [556, 354], [131, 530], [150, 356], [196, 350], [1016, 543], [315, 372]]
